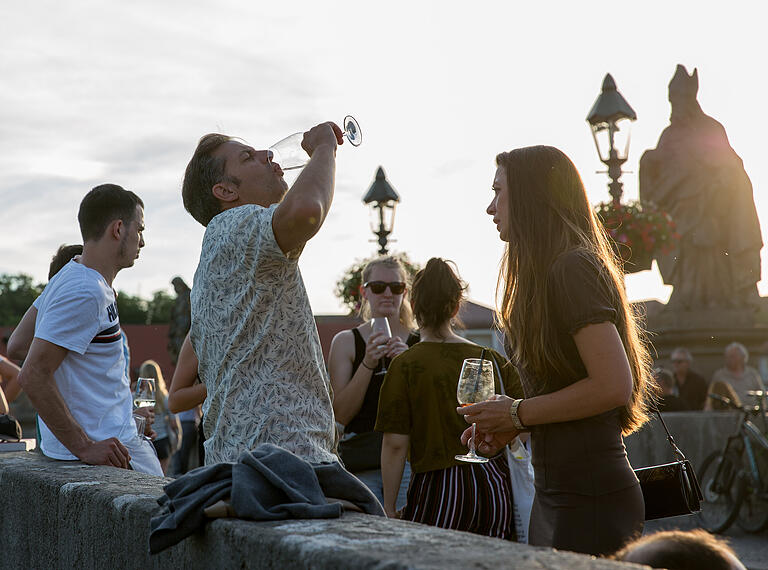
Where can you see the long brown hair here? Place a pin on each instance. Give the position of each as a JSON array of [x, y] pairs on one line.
[[549, 214], [390, 262]]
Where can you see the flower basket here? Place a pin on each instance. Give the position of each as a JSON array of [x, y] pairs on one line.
[[638, 232], [348, 287]]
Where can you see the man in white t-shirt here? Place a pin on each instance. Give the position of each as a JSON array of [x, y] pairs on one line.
[[74, 372], [252, 326]]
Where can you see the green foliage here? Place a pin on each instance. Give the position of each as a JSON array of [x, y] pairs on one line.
[[348, 287], [160, 308], [132, 309], [17, 292]]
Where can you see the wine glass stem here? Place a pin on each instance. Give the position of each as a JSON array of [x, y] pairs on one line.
[[472, 442]]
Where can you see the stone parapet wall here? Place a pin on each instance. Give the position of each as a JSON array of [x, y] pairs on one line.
[[69, 515]]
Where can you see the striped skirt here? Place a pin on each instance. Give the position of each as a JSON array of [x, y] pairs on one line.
[[474, 497]]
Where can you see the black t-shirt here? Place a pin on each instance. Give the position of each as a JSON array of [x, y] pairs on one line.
[[584, 456]]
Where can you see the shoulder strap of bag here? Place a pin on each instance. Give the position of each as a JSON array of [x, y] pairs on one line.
[[670, 439]]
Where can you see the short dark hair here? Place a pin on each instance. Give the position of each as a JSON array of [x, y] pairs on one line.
[[63, 256], [104, 204], [203, 172], [677, 549]]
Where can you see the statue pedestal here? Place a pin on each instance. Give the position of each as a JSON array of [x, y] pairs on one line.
[[705, 333]]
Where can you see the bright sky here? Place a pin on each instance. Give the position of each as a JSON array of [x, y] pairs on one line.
[[95, 92]]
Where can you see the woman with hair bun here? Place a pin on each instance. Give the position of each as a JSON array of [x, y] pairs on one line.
[[357, 363], [416, 414]]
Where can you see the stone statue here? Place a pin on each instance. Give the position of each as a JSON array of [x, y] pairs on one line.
[[181, 318], [695, 175]]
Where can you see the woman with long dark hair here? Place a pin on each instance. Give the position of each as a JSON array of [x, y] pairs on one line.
[[417, 418], [580, 351]]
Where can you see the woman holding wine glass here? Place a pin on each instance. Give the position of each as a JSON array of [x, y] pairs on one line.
[[166, 425], [416, 414], [580, 351], [357, 364]]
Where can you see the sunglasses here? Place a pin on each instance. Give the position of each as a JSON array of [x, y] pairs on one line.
[[378, 287]]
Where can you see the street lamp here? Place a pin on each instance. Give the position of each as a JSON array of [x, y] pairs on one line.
[[382, 199], [610, 119]]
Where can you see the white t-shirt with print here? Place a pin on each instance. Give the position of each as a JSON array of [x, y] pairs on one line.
[[77, 311], [256, 339]]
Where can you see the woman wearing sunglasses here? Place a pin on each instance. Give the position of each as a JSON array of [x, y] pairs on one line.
[[357, 363]]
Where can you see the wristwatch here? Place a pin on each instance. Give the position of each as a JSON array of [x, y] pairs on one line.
[[515, 418]]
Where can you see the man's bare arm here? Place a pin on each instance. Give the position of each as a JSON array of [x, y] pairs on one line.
[[36, 378], [305, 207]]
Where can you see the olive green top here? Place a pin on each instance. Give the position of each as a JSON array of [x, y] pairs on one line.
[[418, 398]]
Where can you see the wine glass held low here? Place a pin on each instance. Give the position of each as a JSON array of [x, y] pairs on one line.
[[289, 154], [475, 385]]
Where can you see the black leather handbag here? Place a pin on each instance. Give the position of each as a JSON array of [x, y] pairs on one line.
[[671, 489]]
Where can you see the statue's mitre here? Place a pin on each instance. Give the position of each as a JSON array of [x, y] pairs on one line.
[[684, 82]]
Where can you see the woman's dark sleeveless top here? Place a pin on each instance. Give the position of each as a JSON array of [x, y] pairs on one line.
[[584, 456], [366, 417]]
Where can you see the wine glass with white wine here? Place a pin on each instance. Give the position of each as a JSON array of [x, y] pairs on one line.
[[381, 325], [289, 154], [475, 385], [144, 394]]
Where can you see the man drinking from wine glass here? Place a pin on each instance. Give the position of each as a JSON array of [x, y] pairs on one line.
[[252, 325], [74, 371]]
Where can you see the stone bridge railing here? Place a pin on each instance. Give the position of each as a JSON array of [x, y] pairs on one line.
[[69, 515]]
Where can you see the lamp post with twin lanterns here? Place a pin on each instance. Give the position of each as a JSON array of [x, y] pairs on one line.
[[610, 120], [381, 199]]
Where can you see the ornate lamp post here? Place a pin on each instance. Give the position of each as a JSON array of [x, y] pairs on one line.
[[382, 199], [610, 119]]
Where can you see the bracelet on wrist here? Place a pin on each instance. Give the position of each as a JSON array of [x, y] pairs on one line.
[[515, 418], [368, 367]]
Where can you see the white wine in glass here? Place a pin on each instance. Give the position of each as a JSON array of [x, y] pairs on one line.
[[475, 385], [381, 325], [144, 395], [289, 154]]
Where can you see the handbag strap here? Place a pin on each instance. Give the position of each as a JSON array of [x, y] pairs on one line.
[[670, 439], [498, 371]]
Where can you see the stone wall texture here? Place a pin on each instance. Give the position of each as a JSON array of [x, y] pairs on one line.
[[70, 515]]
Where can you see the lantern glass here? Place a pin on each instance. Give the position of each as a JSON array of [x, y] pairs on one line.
[[382, 216], [612, 135]]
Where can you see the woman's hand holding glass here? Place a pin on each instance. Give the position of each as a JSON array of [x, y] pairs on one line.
[[475, 385], [490, 416], [395, 346], [494, 426], [489, 443], [376, 348]]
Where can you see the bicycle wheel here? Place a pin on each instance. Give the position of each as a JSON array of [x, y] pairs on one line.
[[753, 514], [722, 496]]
